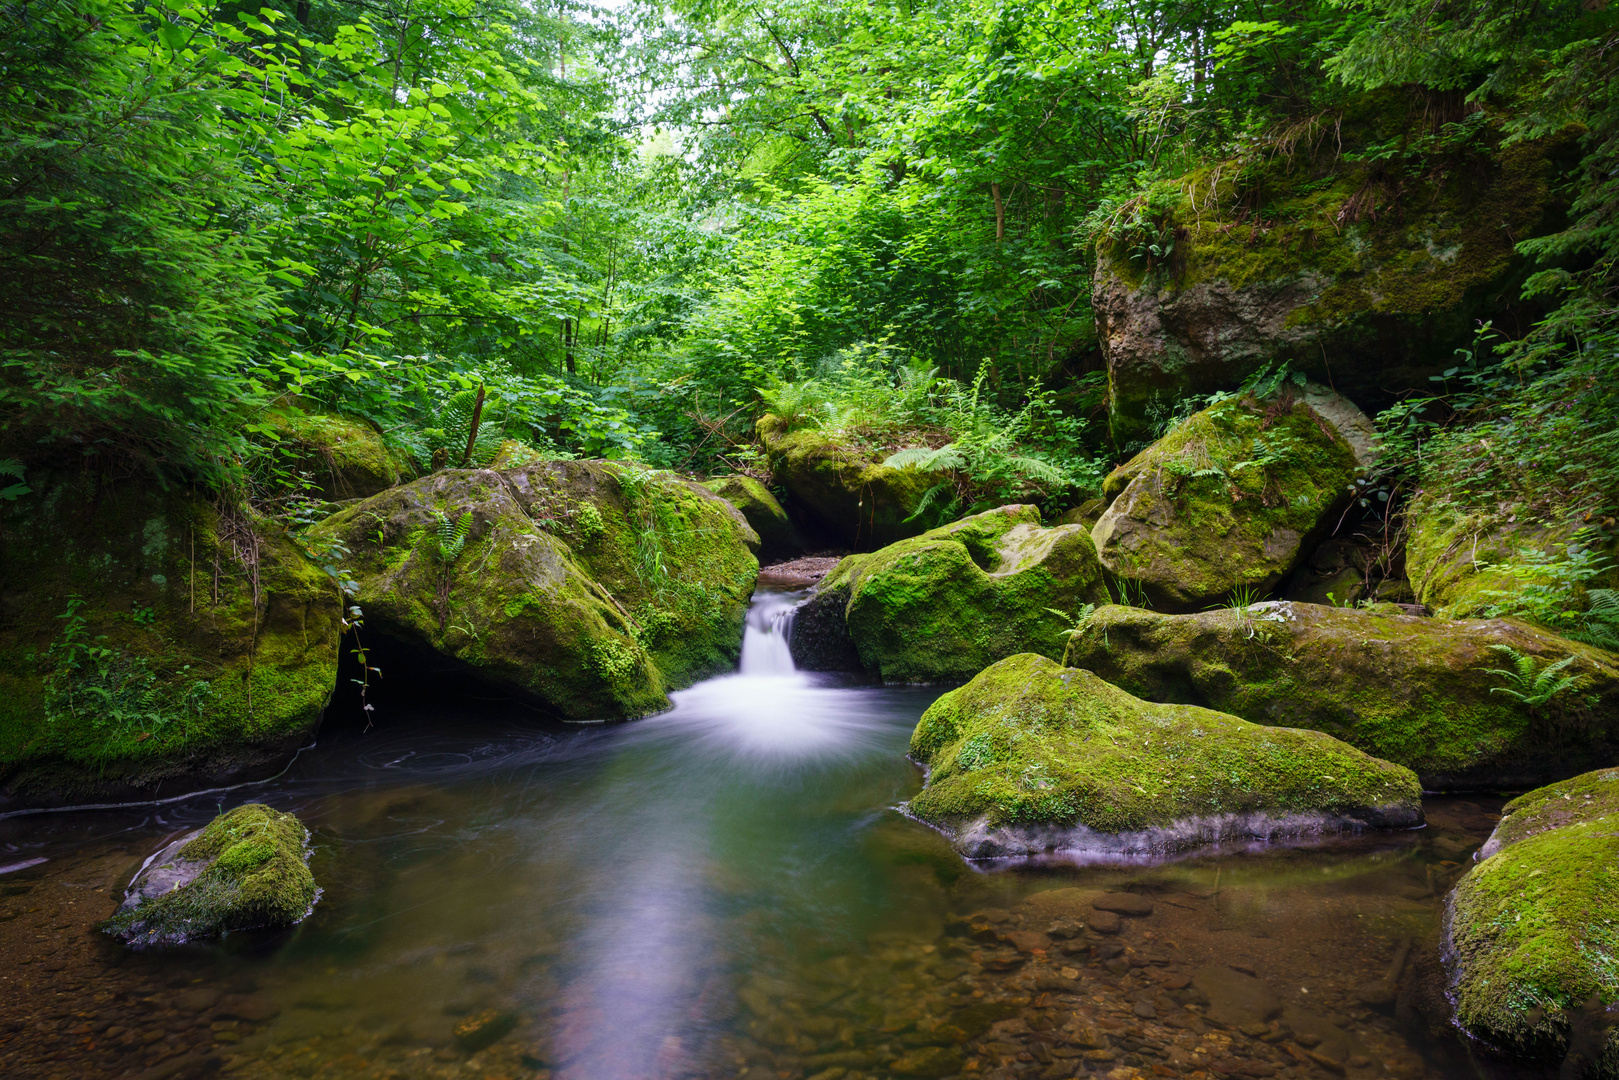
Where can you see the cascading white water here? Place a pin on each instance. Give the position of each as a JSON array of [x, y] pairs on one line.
[[765, 636]]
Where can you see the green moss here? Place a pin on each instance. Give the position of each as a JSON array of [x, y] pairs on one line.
[[257, 875], [946, 604], [846, 490], [347, 458], [1534, 928], [1226, 500], [777, 537], [1029, 742], [1407, 689]]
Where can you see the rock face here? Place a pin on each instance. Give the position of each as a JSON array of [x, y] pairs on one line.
[[1230, 499], [1530, 932], [1408, 689], [591, 587], [948, 603], [1031, 757], [346, 458], [1359, 284], [150, 642], [843, 492], [778, 539], [248, 870]]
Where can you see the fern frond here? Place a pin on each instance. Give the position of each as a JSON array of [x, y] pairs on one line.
[[1036, 469], [451, 536], [927, 459], [932, 496]]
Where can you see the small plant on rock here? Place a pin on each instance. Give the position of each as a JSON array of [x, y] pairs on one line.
[[1535, 682]]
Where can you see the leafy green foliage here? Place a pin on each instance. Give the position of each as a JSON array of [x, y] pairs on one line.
[[450, 537], [1534, 682]]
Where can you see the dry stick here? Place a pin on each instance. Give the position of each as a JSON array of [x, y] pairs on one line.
[[472, 430]]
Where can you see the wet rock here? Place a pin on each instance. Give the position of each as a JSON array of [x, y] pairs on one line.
[[947, 603], [841, 491], [247, 869], [1106, 922], [820, 633], [483, 1029], [1232, 498], [1124, 904], [1029, 757], [778, 537], [1235, 999], [1411, 690]]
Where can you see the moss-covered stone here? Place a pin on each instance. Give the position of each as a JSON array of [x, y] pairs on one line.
[[1031, 757], [946, 604], [843, 492], [590, 586], [1228, 500], [247, 870], [777, 537], [346, 458], [1408, 689], [1364, 274], [1532, 931], [202, 645]]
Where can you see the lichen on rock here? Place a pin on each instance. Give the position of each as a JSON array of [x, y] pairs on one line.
[[844, 492], [1030, 757], [247, 870], [1408, 689], [591, 587], [1532, 930], [1230, 499], [946, 604]]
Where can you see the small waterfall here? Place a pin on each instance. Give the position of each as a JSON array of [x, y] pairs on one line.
[[764, 638]]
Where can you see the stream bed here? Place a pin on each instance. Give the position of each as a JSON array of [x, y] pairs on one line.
[[723, 890]]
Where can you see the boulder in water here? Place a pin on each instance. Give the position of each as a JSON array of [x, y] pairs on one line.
[[248, 870], [1412, 690], [1031, 758]]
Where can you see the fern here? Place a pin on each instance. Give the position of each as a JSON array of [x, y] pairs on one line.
[[1599, 622], [940, 500], [454, 421], [1532, 682], [12, 492], [1078, 621], [793, 403], [451, 536], [927, 459]]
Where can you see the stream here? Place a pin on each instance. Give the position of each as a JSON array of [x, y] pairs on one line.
[[722, 890]]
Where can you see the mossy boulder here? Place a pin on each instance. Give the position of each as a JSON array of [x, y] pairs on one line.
[[247, 870], [946, 604], [778, 539], [1532, 931], [1408, 689], [345, 458], [1365, 274], [151, 640], [842, 491], [1230, 499], [1031, 757], [590, 587]]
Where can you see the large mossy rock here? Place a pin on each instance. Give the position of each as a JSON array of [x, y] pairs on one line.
[[840, 491], [1365, 274], [1031, 757], [591, 587], [1408, 689], [150, 642], [778, 539], [247, 870], [948, 603], [345, 458], [1532, 931], [1232, 498]]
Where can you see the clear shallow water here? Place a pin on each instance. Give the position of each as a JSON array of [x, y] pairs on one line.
[[721, 890]]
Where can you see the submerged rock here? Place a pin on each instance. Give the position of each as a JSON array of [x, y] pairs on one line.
[[591, 587], [1411, 690], [1030, 758], [946, 604], [778, 539], [247, 870], [1531, 931], [152, 637], [345, 458], [1232, 498], [843, 492]]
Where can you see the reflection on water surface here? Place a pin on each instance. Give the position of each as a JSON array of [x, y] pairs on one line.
[[723, 890]]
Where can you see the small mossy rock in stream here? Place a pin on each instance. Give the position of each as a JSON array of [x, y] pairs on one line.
[[201, 649], [1532, 930], [778, 539], [344, 457], [840, 491], [1230, 499], [1408, 689], [247, 870], [948, 603], [1359, 280], [591, 587], [1031, 757]]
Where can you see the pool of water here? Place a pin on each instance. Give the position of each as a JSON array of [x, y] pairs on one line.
[[724, 890]]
